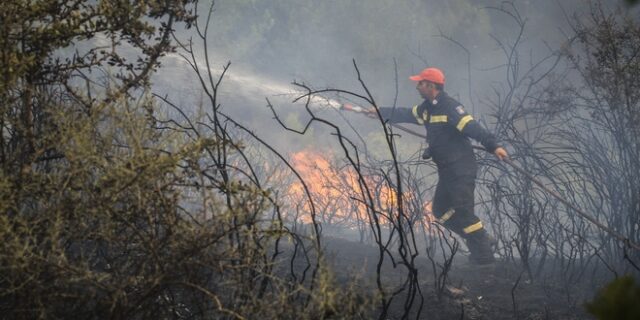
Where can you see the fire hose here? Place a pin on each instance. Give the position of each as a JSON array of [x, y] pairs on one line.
[[594, 221]]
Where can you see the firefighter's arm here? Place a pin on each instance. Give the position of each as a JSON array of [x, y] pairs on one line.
[[398, 115], [465, 123]]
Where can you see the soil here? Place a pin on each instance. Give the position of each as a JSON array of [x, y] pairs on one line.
[[499, 291]]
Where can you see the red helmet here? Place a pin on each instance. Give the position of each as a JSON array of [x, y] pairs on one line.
[[434, 75]]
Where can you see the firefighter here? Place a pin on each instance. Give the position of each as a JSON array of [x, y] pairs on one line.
[[449, 128]]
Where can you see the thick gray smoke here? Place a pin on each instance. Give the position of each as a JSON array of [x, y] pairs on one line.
[[272, 43]]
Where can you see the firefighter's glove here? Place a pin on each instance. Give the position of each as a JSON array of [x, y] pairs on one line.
[[426, 154]]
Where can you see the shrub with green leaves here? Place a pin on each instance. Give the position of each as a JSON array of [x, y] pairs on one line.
[[618, 300], [108, 213]]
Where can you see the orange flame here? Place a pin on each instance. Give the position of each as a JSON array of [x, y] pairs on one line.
[[337, 193]]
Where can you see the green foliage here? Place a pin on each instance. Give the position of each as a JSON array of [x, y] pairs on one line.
[[108, 231], [618, 300], [99, 229], [95, 34], [106, 212]]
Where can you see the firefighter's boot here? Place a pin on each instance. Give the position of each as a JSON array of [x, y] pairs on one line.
[[480, 245]]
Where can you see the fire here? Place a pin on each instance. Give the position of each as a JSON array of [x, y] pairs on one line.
[[330, 189], [337, 193]]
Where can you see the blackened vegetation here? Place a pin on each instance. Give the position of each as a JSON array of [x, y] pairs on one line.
[[575, 127], [571, 123]]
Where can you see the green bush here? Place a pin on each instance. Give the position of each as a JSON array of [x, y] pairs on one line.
[[108, 211], [618, 300]]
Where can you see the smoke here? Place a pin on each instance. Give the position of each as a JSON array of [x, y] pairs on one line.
[[272, 43], [315, 42]]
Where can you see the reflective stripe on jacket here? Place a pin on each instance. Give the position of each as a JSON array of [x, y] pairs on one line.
[[448, 128]]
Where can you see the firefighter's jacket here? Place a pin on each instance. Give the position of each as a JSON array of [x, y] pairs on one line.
[[448, 128]]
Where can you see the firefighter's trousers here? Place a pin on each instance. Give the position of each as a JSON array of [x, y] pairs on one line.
[[453, 207], [453, 203]]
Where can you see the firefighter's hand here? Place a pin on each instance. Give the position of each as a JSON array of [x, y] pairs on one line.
[[501, 153]]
